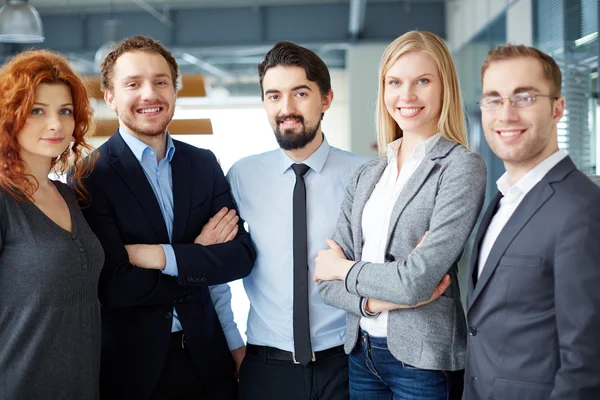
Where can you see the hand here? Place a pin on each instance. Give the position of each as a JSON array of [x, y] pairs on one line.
[[331, 264], [148, 256], [238, 356], [375, 305], [221, 228]]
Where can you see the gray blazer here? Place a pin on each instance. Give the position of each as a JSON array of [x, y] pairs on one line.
[[444, 196], [534, 313]]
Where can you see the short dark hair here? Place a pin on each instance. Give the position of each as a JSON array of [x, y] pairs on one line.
[[136, 43], [290, 54]]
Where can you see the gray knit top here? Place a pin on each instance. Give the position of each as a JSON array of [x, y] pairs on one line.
[[49, 310]]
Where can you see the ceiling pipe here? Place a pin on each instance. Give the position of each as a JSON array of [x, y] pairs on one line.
[[152, 11], [356, 24]]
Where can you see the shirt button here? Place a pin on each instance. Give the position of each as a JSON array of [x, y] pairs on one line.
[[84, 266], [168, 315], [74, 237], [81, 250], [472, 331], [152, 153], [390, 258]]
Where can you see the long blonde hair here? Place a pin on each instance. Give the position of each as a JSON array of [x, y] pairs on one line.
[[451, 123]]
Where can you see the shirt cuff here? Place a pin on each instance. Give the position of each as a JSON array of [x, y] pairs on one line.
[[171, 267]]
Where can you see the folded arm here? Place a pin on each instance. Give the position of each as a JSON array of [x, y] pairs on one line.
[[413, 280]]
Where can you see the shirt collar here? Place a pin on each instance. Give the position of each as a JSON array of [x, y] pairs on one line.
[[419, 151], [531, 178], [139, 148], [315, 161]]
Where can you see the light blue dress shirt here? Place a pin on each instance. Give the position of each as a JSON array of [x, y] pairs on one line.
[[262, 186], [160, 178]]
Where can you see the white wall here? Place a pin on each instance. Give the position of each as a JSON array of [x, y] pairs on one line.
[[466, 18], [362, 64], [519, 23]]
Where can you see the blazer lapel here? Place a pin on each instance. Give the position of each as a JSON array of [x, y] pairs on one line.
[[182, 192], [130, 170], [418, 178], [483, 226], [365, 187], [524, 212]]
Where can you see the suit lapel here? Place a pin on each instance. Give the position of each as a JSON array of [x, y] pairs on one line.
[[365, 187], [182, 192], [532, 202], [130, 170], [417, 180], [408, 192], [483, 226]]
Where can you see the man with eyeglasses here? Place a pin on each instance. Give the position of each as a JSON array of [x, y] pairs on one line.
[[533, 305]]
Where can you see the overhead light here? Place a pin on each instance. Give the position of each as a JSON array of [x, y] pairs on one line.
[[586, 39], [20, 23], [112, 32]]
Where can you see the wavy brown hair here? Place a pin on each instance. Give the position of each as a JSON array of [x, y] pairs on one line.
[[19, 79]]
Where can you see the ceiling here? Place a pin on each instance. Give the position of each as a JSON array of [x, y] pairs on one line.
[[226, 39]]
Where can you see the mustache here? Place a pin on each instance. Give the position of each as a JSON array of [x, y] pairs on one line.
[[281, 118]]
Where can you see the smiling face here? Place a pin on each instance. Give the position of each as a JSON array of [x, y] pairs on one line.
[[413, 93], [143, 95], [294, 106], [49, 128], [521, 137]]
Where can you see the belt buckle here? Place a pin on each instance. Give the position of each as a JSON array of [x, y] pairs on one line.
[[296, 362]]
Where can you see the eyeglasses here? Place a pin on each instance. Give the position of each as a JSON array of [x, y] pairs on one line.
[[519, 100]]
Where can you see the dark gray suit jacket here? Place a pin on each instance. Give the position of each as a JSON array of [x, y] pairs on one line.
[[534, 313]]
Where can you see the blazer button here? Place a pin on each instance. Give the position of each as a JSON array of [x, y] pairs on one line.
[[168, 315], [203, 279], [389, 258], [190, 279], [472, 331]]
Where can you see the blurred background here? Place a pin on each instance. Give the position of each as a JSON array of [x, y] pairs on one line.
[[218, 44]]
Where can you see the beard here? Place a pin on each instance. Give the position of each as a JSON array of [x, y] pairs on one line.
[[156, 128], [289, 140]]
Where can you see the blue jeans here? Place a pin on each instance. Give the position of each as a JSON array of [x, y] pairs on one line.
[[375, 374]]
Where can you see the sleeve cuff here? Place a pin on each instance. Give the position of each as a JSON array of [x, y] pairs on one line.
[[171, 267], [351, 281], [363, 309]]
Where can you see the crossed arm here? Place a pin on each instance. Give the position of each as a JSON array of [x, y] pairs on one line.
[[332, 264], [221, 228]]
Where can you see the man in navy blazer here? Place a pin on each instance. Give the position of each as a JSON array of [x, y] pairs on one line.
[[151, 199], [534, 289]]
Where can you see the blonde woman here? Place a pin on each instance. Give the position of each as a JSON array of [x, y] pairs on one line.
[[403, 226]]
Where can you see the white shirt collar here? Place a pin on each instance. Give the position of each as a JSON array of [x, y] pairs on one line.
[[530, 179], [419, 152]]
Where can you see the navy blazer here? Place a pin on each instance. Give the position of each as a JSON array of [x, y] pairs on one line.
[[533, 313], [137, 303]]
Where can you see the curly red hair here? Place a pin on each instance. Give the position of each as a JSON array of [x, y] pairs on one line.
[[19, 79]]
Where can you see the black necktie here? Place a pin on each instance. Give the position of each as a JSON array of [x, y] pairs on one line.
[[302, 347]]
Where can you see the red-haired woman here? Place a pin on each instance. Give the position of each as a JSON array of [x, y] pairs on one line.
[[50, 260]]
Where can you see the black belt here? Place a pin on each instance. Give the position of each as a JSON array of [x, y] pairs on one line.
[[272, 353]]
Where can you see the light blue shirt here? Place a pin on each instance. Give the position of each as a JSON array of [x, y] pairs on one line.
[[160, 178], [262, 186]]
